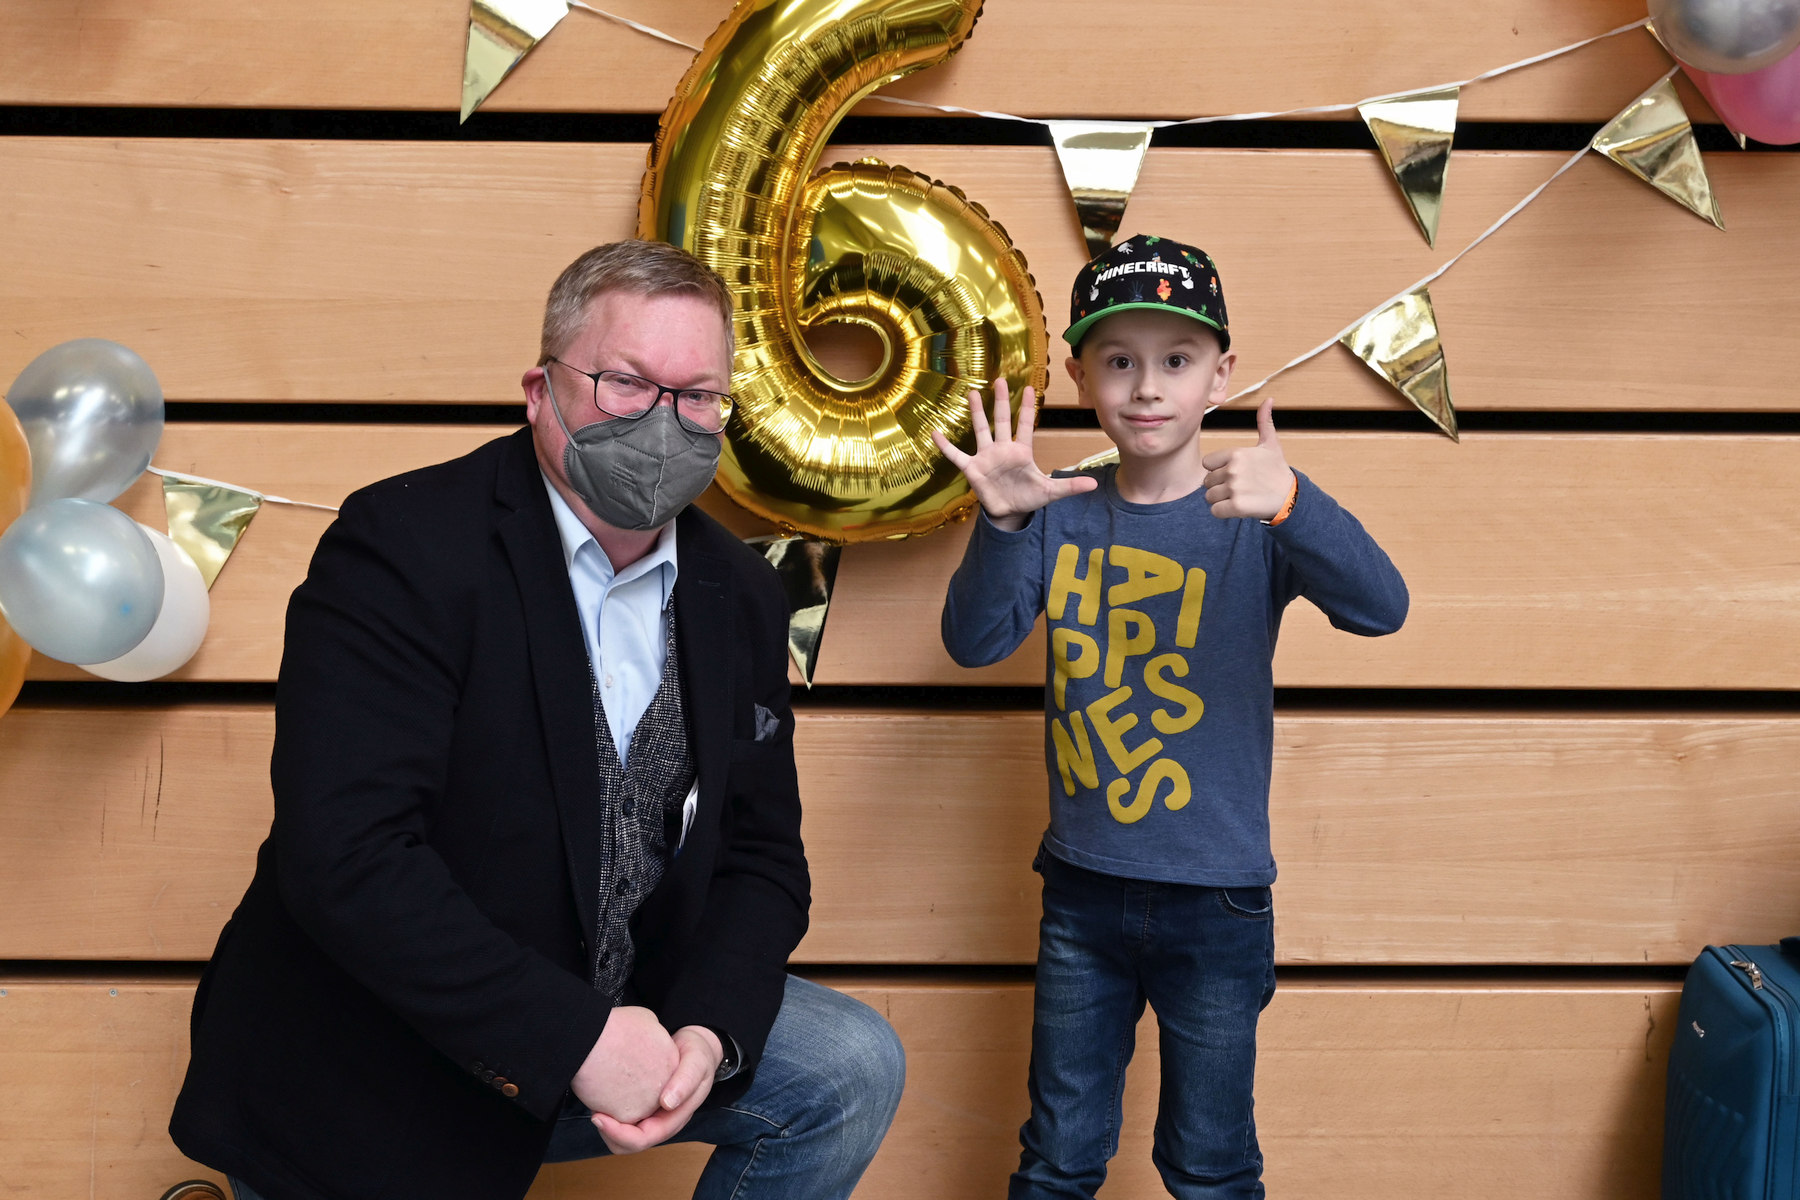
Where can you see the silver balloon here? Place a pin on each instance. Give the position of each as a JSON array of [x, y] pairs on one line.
[[93, 413], [79, 581], [1728, 37]]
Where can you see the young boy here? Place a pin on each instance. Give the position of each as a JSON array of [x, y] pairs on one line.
[[1163, 579]]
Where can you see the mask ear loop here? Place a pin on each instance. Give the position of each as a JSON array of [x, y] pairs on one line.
[[555, 408]]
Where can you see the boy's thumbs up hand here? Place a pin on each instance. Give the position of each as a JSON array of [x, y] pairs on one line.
[[1250, 481], [1265, 425]]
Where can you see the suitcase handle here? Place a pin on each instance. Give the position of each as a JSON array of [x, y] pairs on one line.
[[1790, 947]]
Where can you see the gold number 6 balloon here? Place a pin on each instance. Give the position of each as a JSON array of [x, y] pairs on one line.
[[731, 179]]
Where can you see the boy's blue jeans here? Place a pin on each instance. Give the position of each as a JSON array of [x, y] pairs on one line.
[[1204, 958]]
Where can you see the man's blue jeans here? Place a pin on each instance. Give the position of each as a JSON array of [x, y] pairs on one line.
[[1204, 958], [824, 1095]]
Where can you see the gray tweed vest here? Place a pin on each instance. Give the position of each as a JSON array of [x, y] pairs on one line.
[[635, 801]]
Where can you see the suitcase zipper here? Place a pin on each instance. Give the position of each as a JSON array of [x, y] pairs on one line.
[[1750, 968], [1781, 1006]]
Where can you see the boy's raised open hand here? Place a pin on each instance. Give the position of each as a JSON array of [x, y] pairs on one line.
[[1250, 481], [1002, 473]]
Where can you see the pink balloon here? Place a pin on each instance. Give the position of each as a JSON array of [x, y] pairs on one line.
[[1764, 104]]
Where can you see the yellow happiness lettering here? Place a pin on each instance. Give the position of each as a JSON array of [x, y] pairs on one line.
[[1064, 582], [1163, 770], [1065, 668], [1191, 704], [1074, 756], [1112, 731]]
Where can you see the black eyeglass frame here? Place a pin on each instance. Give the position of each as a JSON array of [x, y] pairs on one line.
[[726, 404]]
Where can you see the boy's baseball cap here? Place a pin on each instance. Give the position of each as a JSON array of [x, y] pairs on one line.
[[1148, 272]]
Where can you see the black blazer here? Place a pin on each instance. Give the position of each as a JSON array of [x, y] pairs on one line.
[[418, 937]]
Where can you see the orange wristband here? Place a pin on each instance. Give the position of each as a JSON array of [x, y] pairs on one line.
[[1287, 509]]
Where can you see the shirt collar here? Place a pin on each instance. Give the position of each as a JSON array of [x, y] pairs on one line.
[[576, 538]]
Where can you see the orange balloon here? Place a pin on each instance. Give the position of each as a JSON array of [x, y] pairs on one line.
[[15, 489], [15, 656], [15, 466]]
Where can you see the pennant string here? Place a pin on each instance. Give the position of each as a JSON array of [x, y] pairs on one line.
[[1485, 234], [263, 496], [628, 22], [1533, 61], [977, 112]]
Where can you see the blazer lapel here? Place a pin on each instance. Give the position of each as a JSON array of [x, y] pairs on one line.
[[705, 656], [558, 653]]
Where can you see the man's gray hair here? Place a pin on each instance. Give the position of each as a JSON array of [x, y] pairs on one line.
[[640, 267]]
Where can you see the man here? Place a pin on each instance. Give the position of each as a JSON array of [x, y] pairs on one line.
[[536, 869]]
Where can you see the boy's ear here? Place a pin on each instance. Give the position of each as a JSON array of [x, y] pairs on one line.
[[1222, 377], [1073, 365]]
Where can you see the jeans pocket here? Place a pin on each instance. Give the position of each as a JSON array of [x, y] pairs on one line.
[[1250, 903]]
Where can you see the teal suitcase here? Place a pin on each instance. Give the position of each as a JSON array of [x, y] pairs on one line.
[[1732, 1122]]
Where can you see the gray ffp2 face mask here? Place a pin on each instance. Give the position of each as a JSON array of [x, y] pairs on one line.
[[637, 472]]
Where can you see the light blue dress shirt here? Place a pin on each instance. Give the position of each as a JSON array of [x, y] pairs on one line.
[[621, 618]]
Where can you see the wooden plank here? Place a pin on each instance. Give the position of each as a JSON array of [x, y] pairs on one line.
[[94, 1069], [1364, 1090], [317, 463], [1240, 57], [1403, 838], [1411, 838], [415, 272], [1534, 560]]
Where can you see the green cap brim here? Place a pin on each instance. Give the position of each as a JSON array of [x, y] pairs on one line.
[[1074, 333]]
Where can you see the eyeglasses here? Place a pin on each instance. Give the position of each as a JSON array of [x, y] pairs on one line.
[[631, 396]]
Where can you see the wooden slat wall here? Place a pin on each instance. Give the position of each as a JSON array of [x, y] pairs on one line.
[[1425, 815], [1238, 57], [1451, 837], [1364, 1093], [295, 271], [1636, 583]]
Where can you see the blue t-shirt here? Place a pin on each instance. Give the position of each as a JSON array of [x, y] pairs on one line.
[[1159, 693]]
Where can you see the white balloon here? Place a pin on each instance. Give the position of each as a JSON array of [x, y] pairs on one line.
[[180, 626]]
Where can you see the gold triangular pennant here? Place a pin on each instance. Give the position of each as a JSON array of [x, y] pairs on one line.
[[1653, 140], [1100, 163], [808, 571], [501, 32], [1414, 134], [206, 519], [1400, 344]]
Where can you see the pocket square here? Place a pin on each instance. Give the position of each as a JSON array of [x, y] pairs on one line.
[[689, 807], [766, 724]]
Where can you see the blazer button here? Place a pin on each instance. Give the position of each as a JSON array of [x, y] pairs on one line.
[[510, 1090], [488, 1077]]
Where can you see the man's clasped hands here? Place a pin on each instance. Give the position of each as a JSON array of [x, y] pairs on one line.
[[644, 1083]]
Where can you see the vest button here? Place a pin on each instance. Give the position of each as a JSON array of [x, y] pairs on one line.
[[629, 808], [624, 886]]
